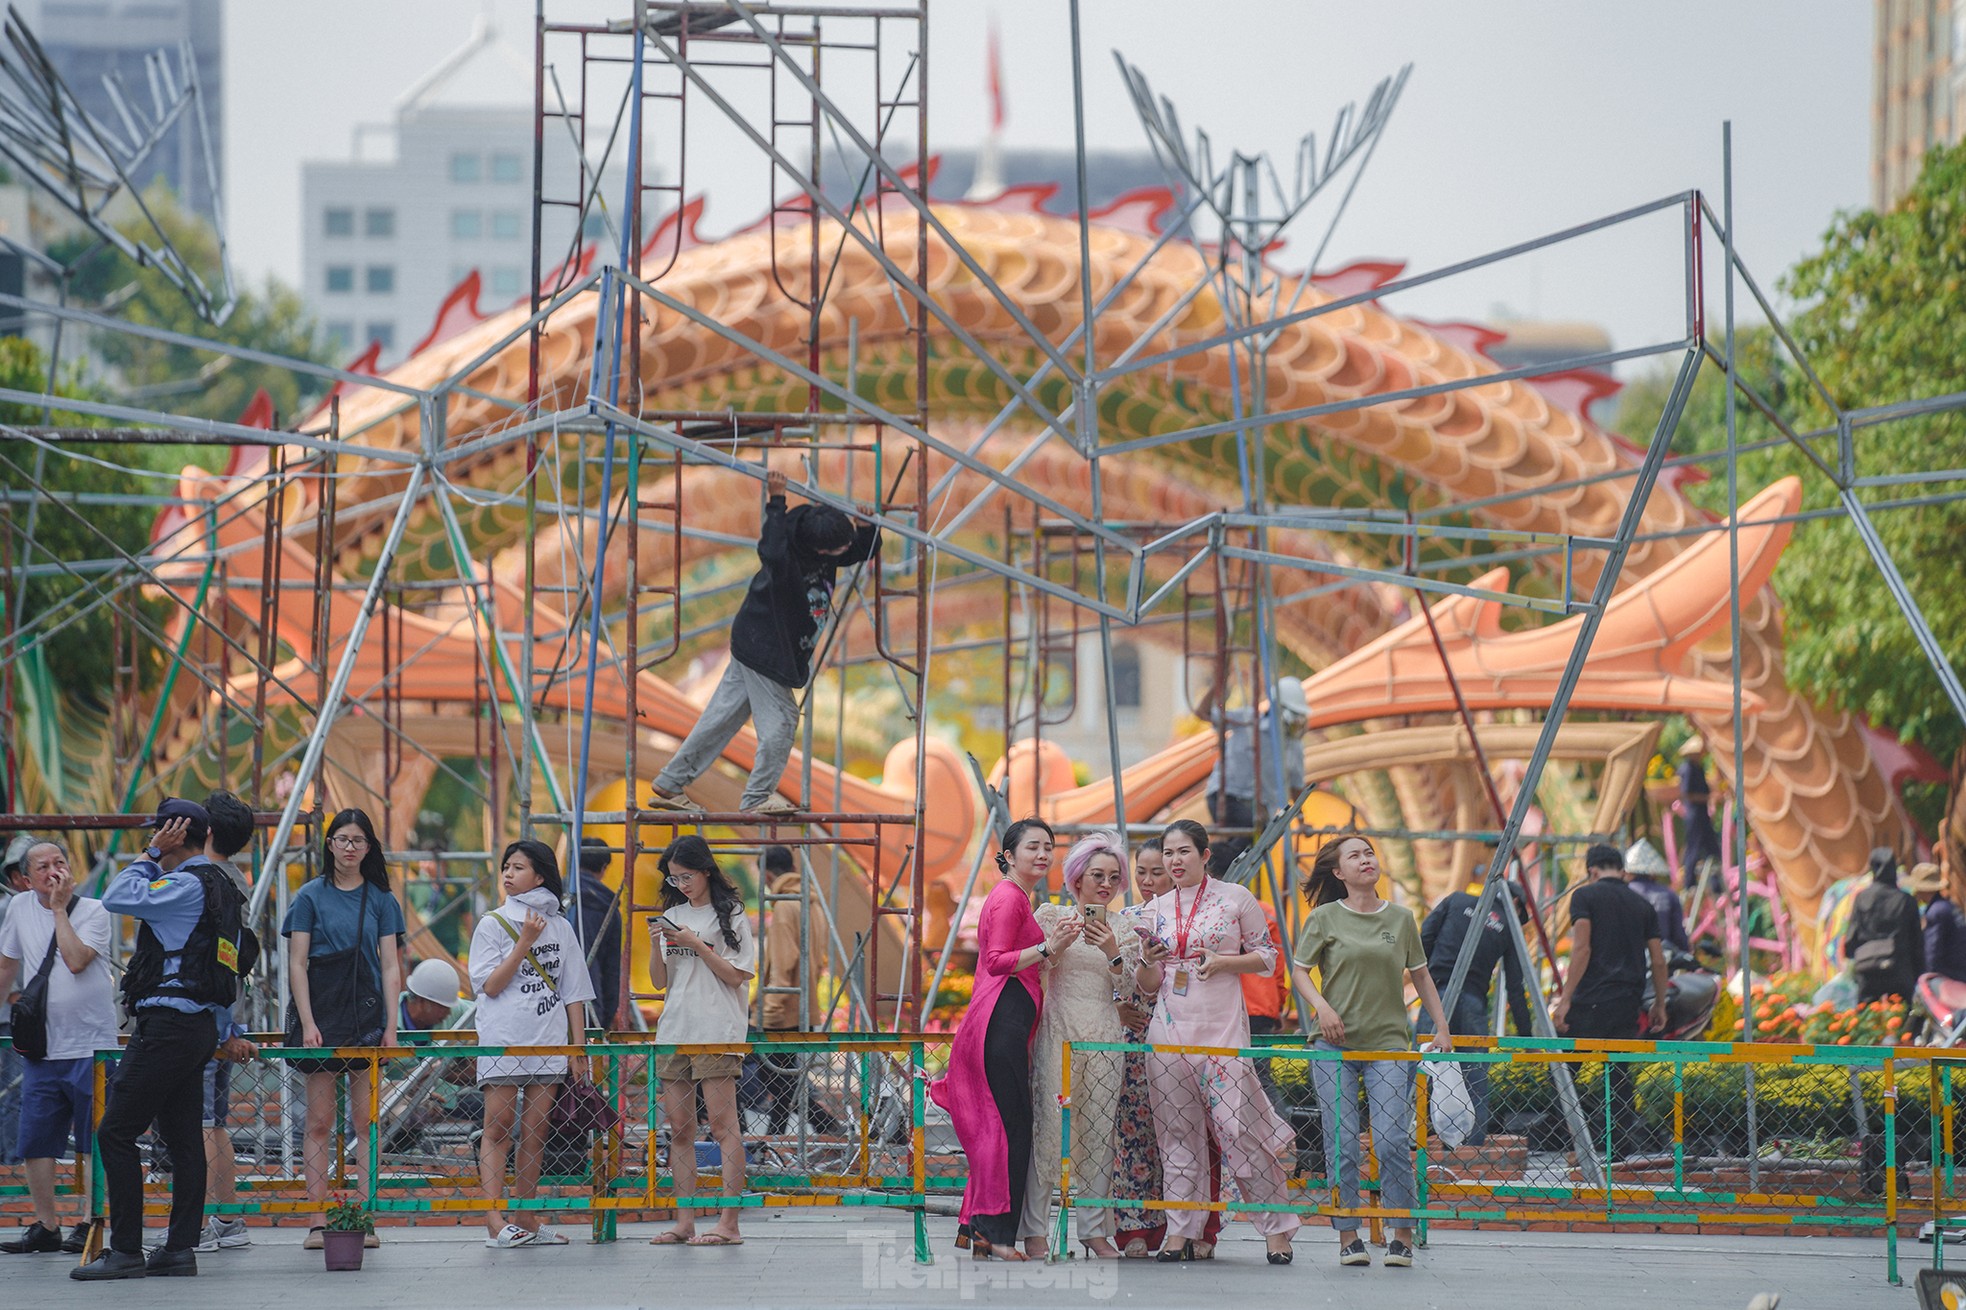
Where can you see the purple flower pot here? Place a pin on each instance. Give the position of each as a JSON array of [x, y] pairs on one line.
[[342, 1249]]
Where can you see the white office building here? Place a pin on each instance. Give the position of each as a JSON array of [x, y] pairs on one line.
[[443, 189]]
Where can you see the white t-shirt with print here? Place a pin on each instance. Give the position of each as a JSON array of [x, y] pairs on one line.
[[528, 1012], [81, 1006], [700, 1007]]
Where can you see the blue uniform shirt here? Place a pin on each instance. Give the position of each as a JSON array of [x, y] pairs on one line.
[[171, 903]]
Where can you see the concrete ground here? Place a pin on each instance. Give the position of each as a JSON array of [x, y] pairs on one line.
[[862, 1257]]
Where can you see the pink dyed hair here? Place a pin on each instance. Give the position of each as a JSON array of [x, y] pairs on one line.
[[1102, 841]]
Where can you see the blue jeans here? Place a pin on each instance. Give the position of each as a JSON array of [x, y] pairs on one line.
[[1386, 1085], [1470, 1019]]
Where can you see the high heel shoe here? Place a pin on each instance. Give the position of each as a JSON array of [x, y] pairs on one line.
[[1168, 1255], [980, 1250], [1110, 1253]]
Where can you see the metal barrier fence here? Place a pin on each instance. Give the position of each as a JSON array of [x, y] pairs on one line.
[[1580, 1133], [834, 1120], [1584, 1134]]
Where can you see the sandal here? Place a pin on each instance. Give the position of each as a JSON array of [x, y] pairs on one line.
[[1170, 1254], [714, 1239], [509, 1237], [670, 1238]]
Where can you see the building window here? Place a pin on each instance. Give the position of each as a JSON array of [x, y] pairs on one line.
[[508, 168], [380, 279], [340, 335], [507, 282], [467, 224], [340, 278], [1126, 675], [465, 167], [505, 224], [379, 223], [383, 334], [338, 222]]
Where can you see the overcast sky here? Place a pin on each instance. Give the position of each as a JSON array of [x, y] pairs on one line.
[[1521, 117]]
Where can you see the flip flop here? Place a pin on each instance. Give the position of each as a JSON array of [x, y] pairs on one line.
[[509, 1237], [714, 1239], [670, 1238]]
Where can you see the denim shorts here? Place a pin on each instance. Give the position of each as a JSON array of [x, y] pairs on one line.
[[218, 1093], [56, 1099]]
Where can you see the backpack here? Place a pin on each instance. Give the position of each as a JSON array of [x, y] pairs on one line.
[[221, 949]]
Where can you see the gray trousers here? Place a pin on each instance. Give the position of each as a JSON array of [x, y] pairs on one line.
[[743, 694], [1386, 1081]]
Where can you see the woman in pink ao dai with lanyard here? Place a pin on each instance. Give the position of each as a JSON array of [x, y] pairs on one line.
[[1205, 934]]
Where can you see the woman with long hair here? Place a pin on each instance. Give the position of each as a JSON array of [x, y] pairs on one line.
[[987, 1088], [344, 934], [1136, 1157], [703, 956], [1082, 992], [1205, 934], [1365, 950], [533, 987]]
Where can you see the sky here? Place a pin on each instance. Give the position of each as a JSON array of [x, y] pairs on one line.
[[1521, 117]]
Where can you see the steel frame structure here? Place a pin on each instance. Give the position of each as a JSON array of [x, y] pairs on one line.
[[663, 44]]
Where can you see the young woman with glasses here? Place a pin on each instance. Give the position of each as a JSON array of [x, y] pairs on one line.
[[344, 934]]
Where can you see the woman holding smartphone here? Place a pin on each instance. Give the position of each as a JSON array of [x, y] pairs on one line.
[[532, 986], [1205, 934], [1082, 988], [1365, 949], [987, 1089], [702, 955], [344, 931]]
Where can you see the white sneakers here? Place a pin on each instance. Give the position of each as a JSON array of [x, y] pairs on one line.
[[512, 1236], [222, 1234]]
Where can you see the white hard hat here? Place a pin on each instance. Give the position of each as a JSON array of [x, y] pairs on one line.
[[434, 981], [1290, 695]]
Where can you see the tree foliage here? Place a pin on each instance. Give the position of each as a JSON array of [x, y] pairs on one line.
[[183, 379], [1881, 323]]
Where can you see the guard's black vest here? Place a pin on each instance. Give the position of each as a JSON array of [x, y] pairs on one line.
[[219, 952]]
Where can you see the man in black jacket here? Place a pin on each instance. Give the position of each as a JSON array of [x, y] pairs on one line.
[[1446, 928], [1885, 943], [771, 642]]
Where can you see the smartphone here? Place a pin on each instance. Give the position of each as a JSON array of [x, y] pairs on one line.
[[1146, 933], [663, 922], [1093, 913]]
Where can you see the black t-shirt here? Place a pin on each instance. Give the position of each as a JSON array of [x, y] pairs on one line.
[[1622, 922]]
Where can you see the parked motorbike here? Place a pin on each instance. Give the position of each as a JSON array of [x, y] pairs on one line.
[[1938, 1005], [1692, 990]]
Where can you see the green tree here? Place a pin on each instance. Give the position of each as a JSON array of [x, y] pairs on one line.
[[1880, 323], [183, 379]]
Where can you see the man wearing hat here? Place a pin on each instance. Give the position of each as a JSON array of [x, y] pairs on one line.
[[1647, 874], [428, 997], [1945, 930], [1234, 788], [179, 988]]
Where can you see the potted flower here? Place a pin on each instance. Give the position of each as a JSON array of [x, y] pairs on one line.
[[349, 1222]]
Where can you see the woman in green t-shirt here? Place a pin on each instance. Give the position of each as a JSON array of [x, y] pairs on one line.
[[1364, 950]]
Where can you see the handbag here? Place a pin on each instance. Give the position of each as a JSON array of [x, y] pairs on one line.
[[347, 1012], [1880, 955], [578, 1110], [31, 1011]]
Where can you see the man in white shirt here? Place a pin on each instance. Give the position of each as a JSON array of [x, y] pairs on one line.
[[13, 882], [68, 935]]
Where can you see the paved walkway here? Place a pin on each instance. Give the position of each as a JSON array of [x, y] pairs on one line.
[[847, 1258]]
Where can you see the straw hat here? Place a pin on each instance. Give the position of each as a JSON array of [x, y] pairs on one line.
[[1644, 859], [1925, 878]]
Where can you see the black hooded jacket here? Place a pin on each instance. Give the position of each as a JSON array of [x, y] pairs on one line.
[[790, 597]]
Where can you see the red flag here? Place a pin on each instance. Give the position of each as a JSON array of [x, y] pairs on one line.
[[996, 82]]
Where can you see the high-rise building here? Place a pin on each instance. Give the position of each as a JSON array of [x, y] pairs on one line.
[[1918, 90], [443, 189], [87, 40]]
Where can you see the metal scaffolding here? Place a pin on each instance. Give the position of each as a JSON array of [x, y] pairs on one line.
[[607, 454]]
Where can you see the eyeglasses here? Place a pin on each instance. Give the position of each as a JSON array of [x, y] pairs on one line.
[[349, 843], [676, 876]]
